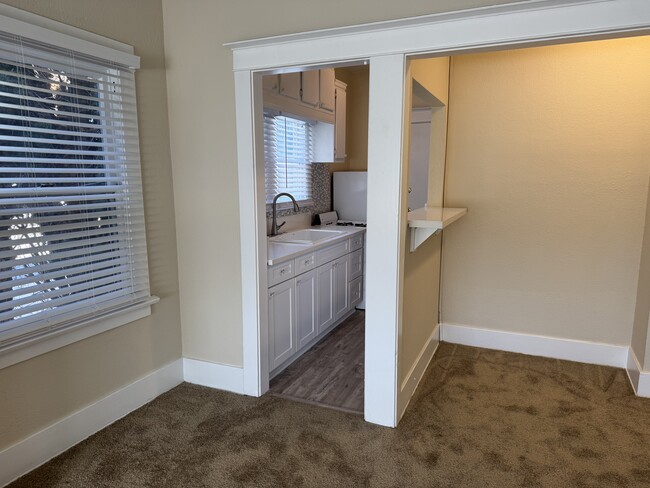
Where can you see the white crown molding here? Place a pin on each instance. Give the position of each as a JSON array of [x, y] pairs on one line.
[[42, 446], [502, 26]]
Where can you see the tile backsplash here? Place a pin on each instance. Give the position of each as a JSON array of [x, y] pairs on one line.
[[321, 196]]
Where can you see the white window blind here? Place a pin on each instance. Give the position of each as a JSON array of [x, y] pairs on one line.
[[288, 153], [72, 235]]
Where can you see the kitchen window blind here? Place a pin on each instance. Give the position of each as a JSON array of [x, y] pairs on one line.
[[288, 153], [72, 234]]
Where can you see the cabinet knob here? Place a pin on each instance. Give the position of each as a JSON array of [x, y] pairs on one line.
[[307, 261], [272, 294], [282, 271]]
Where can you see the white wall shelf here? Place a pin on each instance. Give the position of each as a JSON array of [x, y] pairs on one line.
[[428, 221]]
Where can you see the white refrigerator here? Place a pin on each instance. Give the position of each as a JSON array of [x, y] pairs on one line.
[[350, 191]]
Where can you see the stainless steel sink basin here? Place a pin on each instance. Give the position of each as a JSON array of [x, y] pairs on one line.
[[307, 236]]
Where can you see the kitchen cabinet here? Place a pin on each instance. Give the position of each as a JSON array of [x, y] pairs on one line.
[[271, 84], [306, 299], [340, 115], [325, 303], [290, 85], [311, 293], [327, 89], [311, 87], [341, 272], [282, 329]]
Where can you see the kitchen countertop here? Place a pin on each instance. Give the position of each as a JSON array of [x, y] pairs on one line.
[[280, 252]]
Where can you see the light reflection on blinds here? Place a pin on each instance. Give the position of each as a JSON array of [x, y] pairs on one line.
[[288, 153], [72, 236]]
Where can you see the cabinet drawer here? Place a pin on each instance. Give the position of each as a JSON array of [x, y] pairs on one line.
[[332, 252], [356, 241], [280, 272], [356, 264], [355, 291], [305, 263]]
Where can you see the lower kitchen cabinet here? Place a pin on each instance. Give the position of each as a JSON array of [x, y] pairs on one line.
[[340, 288], [282, 324], [325, 293], [306, 299], [311, 300]]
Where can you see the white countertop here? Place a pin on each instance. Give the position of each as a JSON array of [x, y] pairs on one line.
[[279, 252], [435, 217]]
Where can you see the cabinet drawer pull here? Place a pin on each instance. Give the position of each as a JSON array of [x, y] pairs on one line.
[[282, 271], [307, 261], [272, 294]]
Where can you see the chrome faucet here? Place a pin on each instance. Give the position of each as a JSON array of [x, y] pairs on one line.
[[274, 223]]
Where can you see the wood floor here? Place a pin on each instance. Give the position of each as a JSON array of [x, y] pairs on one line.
[[330, 373]]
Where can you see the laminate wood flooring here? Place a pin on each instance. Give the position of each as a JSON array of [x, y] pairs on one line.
[[330, 373]]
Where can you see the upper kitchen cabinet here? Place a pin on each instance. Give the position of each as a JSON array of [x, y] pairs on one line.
[[327, 90], [311, 87], [290, 85], [315, 95], [271, 84], [339, 124]]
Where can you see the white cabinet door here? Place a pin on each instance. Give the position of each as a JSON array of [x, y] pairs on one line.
[[290, 85], [282, 327], [340, 121], [327, 89], [325, 294], [341, 278], [271, 83], [306, 308], [311, 87]]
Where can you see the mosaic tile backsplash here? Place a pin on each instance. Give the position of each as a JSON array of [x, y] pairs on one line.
[[321, 185]]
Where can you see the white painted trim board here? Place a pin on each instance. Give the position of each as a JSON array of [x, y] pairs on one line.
[[40, 447], [537, 345], [639, 378], [214, 375], [414, 376]]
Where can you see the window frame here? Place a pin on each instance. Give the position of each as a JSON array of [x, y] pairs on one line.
[[46, 31], [303, 203]]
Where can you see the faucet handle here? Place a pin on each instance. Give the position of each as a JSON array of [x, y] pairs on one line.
[[279, 226]]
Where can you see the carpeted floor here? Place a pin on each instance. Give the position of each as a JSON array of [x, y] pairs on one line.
[[480, 419]]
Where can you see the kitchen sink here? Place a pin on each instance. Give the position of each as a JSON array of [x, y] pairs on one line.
[[307, 236]]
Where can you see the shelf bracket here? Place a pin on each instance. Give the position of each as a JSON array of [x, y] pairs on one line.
[[421, 234]]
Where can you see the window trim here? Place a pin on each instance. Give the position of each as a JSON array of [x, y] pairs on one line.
[[48, 31]]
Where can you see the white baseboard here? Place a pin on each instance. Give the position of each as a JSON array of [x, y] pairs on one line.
[[640, 379], [214, 375], [536, 345], [42, 446], [412, 380]]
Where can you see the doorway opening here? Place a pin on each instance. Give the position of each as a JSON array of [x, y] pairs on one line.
[[315, 140]]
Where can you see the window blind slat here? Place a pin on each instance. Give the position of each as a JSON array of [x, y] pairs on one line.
[[288, 153], [72, 233]]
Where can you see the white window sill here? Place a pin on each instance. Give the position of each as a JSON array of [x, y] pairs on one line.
[[77, 331]]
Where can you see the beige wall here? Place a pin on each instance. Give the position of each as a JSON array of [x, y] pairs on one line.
[[202, 114], [548, 148], [356, 127], [422, 268], [40, 391], [640, 343]]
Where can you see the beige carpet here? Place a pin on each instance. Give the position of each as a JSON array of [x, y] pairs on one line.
[[481, 419]]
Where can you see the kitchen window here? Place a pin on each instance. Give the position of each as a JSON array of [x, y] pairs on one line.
[[288, 156], [72, 233]]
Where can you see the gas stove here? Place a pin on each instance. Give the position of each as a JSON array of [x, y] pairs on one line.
[[332, 218], [350, 223]]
